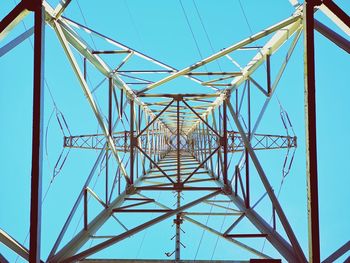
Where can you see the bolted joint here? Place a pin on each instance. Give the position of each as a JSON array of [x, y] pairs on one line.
[[227, 94], [178, 221], [131, 189], [178, 97], [133, 142], [223, 141], [178, 186], [227, 189]]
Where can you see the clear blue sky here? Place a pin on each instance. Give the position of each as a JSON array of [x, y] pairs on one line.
[[159, 29]]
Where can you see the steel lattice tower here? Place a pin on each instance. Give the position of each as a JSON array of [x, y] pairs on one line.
[[178, 144]]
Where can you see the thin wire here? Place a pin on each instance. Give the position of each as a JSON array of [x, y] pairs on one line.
[[278, 194], [201, 239], [134, 24], [189, 26], [195, 41], [217, 239], [82, 213], [283, 177], [245, 16], [145, 233], [82, 14], [205, 30], [248, 24]]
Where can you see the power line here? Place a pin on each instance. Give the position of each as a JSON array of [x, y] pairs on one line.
[[134, 24], [189, 26], [82, 14], [205, 30], [245, 17]]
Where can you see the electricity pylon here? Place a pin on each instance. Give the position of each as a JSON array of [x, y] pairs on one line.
[[177, 143]]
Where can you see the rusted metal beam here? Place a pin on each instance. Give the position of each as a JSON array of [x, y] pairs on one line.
[[37, 139], [311, 134]]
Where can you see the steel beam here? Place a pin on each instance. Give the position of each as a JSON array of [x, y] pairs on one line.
[[83, 236], [337, 39], [37, 139], [299, 254], [14, 245], [89, 96], [335, 13], [61, 6], [13, 18], [310, 131], [225, 51], [18, 40], [135, 230], [231, 240], [338, 253], [81, 194], [276, 41]]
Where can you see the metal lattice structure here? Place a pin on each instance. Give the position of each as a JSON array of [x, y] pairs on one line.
[[177, 143]]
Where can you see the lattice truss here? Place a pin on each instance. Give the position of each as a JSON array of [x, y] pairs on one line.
[[197, 150]]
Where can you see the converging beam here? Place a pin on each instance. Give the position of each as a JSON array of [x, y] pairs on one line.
[[37, 139], [310, 127]]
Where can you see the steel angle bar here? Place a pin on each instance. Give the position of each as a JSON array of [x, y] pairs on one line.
[[280, 244], [89, 96], [211, 230], [81, 194], [138, 53], [335, 13], [15, 42], [154, 119], [240, 244], [231, 240], [135, 230], [283, 219], [258, 86], [274, 86], [338, 253], [155, 164], [201, 164], [214, 74], [13, 244], [61, 6], [246, 235], [12, 19], [333, 36], [213, 203], [83, 236], [277, 79], [276, 41], [83, 48], [310, 132], [97, 198], [37, 134], [122, 63], [207, 124], [234, 224], [212, 213], [295, 17]]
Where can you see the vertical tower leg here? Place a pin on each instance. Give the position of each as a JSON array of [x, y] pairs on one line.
[[36, 173], [310, 118]]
